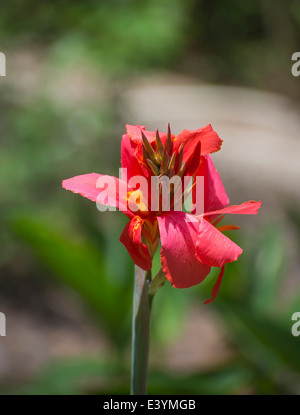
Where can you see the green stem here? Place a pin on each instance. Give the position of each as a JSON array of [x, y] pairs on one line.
[[140, 332]]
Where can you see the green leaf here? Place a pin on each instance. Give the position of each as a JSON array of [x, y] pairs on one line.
[[268, 270], [294, 304]]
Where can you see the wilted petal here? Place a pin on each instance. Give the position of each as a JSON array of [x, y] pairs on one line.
[[178, 240], [131, 238]]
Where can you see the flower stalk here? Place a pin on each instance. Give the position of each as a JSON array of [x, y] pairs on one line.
[[141, 318]]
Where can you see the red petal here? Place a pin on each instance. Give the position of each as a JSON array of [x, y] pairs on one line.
[[136, 150], [213, 248], [218, 220], [215, 196], [129, 157], [216, 287], [178, 240], [193, 163], [134, 132], [131, 238], [246, 208], [85, 185], [210, 141]]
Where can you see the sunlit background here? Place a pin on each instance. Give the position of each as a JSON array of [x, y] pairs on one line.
[[77, 72]]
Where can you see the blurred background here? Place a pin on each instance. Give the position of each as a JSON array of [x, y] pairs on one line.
[[76, 73]]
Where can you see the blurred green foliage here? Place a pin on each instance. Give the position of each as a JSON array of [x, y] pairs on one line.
[[266, 354], [121, 35], [221, 42]]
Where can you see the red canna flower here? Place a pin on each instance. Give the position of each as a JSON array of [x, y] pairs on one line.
[[191, 243]]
